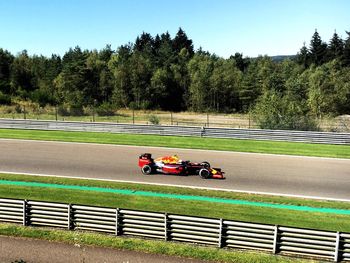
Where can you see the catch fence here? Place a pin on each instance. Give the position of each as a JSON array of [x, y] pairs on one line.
[[228, 133]]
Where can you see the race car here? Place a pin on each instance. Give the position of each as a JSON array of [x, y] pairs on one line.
[[175, 166]]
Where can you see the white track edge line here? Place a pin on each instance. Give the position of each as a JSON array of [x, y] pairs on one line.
[[183, 186]]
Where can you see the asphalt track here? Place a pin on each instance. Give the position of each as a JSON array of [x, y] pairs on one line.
[[291, 175]]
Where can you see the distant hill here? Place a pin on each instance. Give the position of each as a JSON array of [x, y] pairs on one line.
[[282, 57]]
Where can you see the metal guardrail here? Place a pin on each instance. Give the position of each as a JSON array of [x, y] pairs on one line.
[[253, 134], [170, 227]]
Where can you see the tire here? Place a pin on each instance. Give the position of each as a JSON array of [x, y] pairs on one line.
[[204, 173], [205, 165], [146, 169]]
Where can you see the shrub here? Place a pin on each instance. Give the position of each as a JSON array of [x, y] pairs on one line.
[[153, 119], [76, 110], [274, 111], [106, 109], [63, 110], [5, 99]]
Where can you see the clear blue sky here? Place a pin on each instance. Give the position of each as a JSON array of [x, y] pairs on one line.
[[223, 27]]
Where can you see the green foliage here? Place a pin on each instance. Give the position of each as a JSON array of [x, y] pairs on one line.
[[166, 73], [5, 99], [106, 109], [273, 111], [154, 119]]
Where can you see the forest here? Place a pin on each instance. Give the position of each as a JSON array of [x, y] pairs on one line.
[[166, 73]]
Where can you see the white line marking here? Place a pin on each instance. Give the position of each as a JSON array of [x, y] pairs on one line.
[[183, 186], [185, 149]]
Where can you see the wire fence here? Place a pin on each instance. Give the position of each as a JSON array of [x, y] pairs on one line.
[[123, 116], [252, 134], [216, 232]]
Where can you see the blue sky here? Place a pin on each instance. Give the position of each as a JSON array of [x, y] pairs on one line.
[[223, 27]]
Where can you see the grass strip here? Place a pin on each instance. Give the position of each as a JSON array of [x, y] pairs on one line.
[[177, 196], [271, 147], [146, 246], [265, 215]]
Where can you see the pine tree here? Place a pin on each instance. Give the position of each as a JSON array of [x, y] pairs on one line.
[[318, 50], [303, 57], [346, 53], [6, 59], [336, 47], [181, 41]]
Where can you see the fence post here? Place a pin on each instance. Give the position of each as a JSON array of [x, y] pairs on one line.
[[336, 252], [275, 240], [24, 112], [117, 232], [171, 118], [221, 230], [166, 237], [24, 212], [69, 219], [207, 119]]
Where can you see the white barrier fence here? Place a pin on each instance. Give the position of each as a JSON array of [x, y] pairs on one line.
[[222, 233], [253, 134]]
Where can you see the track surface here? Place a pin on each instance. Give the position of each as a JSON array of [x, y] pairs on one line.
[[307, 176]]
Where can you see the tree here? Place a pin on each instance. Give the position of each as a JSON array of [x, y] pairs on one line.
[[346, 52], [241, 63], [336, 47], [304, 57], [21, 76], [140, 76], [225, 84], [182, 41], [120, 68], [73, 84], [275, 111], [318, 50], [200, 69], [326, 94], [6, 59]]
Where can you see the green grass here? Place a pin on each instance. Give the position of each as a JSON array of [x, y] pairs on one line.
[[146, 246], [271, 147], [198, 208]]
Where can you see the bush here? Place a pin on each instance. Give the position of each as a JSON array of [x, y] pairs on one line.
[[5, 99], [153, 119], [63, 110], [106, 109], [76, 110], [275, 112], [18, 108]]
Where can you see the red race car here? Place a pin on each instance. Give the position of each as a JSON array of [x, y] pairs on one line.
[[173, 165]]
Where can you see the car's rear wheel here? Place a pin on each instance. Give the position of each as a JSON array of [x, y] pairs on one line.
[[204, 173], [146, 169], [206, 165]]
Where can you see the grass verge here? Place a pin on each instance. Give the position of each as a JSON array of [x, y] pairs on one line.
[[266, 215], [271, 147], [147, 246]]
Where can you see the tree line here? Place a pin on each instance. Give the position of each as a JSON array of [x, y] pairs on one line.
[[166, 73]]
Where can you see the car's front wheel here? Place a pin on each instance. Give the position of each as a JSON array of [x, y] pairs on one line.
[[146, 169], [204, 173], [205, 164]]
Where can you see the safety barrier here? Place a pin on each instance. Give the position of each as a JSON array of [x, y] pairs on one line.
[[170, 227], [253, 134]]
